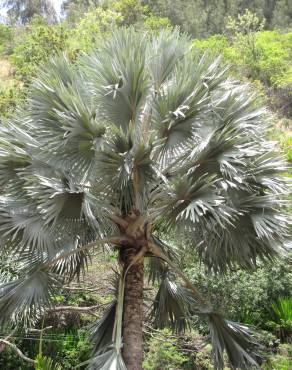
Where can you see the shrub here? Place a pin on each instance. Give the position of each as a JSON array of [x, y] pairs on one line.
[[163, 353], [35, 44], [282, 320], [246, 296], [94, 25], [282, 360], [132, 11], [152, 22], [5, 39], [10, 97], [266, 59]]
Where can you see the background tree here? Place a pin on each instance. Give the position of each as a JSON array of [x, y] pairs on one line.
[[139, 138], [204, 18], [39, 42], [243, 31], [282, 14], [23, 11], [75, 9]]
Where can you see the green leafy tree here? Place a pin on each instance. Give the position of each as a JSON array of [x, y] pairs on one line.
[[5, 39], [261, 55], [205, 18], [38, 42], [132, 11], [282, 14], [75, 9], [23, 11], [243, 30], [137, 139], [95, 25]]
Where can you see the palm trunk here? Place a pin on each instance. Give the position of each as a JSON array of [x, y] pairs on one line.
[[133, 315]]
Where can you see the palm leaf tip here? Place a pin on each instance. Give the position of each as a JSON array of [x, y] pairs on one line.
[[109, 360], [101, 332], [236, 340], [106, 355], [171, 306], [24, 298]]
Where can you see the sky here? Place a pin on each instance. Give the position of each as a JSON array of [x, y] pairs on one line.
[[57, 4]]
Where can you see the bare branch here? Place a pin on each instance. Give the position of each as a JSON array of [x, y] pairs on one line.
[[89, 310], [17, 351], [2, 347], [33, 330], [73, 308], [80, 289]]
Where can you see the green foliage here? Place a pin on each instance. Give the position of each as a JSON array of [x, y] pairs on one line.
[[65, 347], [205, 18], [281, 360], [151, 92], [163, 353], [216, 44], [284, 137], [72, 350], [282, 310], [203, 359], [245, 24], [10, 97], [132, 11], [270, 59], [240, 304], [243, 31], [10, 361], [282, 14], [286, 143], [6, 34], [263, 56], [246, 296], [153, 22], [36, 44], [46, 363], [93, 26]]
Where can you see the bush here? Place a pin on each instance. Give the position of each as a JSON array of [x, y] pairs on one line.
[[69, 349], [132, 11], [282, 318], [5, 39], [36, 44], [92, 26], [246, 296], [268, 60], [163, 353], [282, 360], [216, 44], [273, 64], [10, 97], [152, 22]]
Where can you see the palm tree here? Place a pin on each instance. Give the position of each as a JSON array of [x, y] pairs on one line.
[[141, 138]]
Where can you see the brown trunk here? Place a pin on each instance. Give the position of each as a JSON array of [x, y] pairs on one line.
[[133, 315]]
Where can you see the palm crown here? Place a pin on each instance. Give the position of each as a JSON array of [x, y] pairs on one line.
[[139, 138]]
